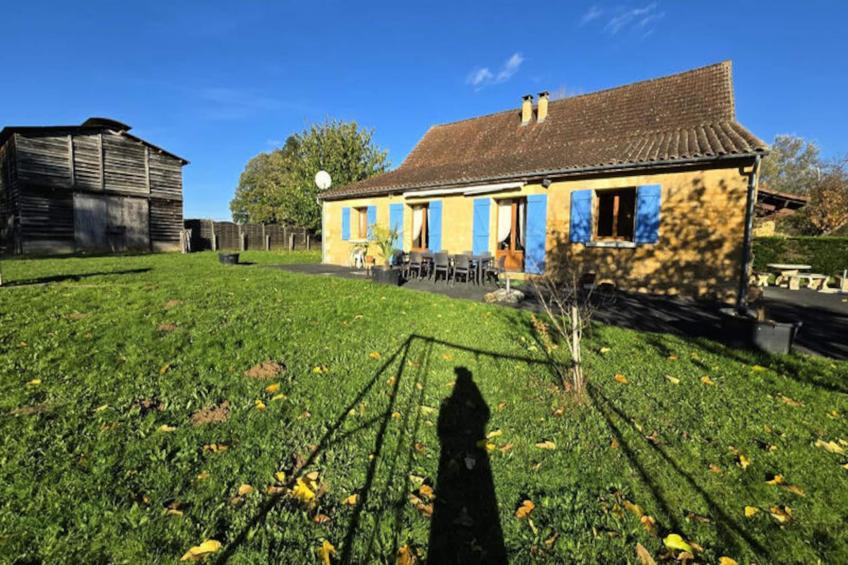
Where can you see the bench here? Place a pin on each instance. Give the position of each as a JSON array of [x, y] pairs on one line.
[[815, 281]]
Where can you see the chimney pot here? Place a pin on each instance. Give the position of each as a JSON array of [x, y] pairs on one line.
[[542, 109], [526, 109]]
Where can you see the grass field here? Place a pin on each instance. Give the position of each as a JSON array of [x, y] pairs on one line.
[[129, 429]]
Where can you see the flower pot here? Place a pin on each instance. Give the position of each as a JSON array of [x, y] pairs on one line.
[[228, 258], [386, 276], [766, 335]]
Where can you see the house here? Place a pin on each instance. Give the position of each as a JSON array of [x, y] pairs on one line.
[[91, 187], [645, 185]]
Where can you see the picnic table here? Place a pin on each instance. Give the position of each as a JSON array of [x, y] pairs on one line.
[[789, 274]]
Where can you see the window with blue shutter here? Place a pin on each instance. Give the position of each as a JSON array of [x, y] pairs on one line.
[[396, 223], [581, 216], [345, 223], [480, 233], [434, 225], [537, 221], [648, 200], [372, 220]]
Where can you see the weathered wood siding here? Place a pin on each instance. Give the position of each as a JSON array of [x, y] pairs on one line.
[[166, 222], [46, 220], [44, 160], [87, 154], [8, 197], [166, 177]]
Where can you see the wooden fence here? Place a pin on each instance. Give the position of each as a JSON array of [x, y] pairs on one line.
[[208, 234]]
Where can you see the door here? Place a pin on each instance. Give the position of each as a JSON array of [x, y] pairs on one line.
[[512, 216], [111, 223]]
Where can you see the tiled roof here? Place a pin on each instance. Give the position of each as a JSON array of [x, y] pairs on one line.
[[681, 117]]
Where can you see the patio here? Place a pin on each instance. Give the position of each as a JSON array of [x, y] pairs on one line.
[[824, 317]]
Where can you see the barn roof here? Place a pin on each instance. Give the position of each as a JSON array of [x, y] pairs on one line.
[[91, 125], [680, 118]]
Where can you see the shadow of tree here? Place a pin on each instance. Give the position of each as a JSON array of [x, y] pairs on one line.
[[74, 277]]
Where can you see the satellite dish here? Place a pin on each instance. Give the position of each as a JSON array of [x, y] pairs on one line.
[[323, 180]]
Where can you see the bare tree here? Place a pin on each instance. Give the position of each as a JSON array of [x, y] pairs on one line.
[[566, 299]]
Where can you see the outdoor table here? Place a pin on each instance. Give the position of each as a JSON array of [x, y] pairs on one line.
[[788, 273]]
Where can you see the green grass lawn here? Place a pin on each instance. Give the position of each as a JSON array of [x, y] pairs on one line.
[[104, 361]]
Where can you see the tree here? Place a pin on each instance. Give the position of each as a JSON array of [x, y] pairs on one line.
[[279, 187], [827, 210], [792, 166]]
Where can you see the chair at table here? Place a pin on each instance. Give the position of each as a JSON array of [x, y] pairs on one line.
[[417, 265], [462, 266], [397, 261], [495, 270], [441, 264]]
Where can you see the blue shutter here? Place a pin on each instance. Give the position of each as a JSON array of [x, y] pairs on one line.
[[480, 235], [434, 226], [534, 239], [648, 198], [372, 220], [345, 223], [396, 222], [581, 216]]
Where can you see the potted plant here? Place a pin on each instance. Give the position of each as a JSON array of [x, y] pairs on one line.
[[385, 238]]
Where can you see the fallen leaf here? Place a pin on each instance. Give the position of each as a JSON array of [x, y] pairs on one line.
[[351, 500], [487, 445], [724, 560], [524, 509], [494, 433], [673, 380], [546, 445], [404, 556], [830, 446], [272, 388], [776, 480], [326, 551], [751, 511], [447, 357], [645, 558], [277, 397], [34, 382], [743, 461], [789, 401], [215, 447], [426, 491], [199, 551], [672, 357], [781, 513], [715, 469], [758, 368], [280, 476], [649, 524], [796, 490], [302, 492], [319, 369], [619, 378], [274, 490], [321, 518], [634, 508], [245, 489], [559, 412], [164, 368], [501, 406], [505, 447], [614, 444], [165, 428], [375, 355], [675, 541], [707, 380], [202, 476], [260, 405]]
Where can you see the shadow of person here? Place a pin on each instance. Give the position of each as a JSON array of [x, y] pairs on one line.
[[465, 526]]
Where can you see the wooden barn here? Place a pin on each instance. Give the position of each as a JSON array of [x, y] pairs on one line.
[[91, 188]]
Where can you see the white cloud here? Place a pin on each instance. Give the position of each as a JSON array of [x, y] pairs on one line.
[[483, 76], [643, 18], [593, 13], [565, 92]]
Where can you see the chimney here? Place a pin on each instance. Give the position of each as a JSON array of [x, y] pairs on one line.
[[542, 109], [526, 109]]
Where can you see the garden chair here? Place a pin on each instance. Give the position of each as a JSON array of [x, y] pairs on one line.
[[370, 261], [441, 264], [462, 266], [495, 270], [416, 265]]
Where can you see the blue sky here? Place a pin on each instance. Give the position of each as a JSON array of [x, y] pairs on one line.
[[218, 82]]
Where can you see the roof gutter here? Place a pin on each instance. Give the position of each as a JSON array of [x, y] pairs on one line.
[[561, 173], [467, 190]]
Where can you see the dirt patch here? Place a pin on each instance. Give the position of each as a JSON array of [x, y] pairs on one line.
[[171, 304], [31, 410], [266, 370], [167, 327], [211, 414], [146, 405], [77, 316]]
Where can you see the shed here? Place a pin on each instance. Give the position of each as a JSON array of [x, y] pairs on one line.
[[93, 187]]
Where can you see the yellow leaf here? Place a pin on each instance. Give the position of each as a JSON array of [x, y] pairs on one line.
[[525, 509], [199, 551], [274, 490], [715, 469], [634, 508], [674, 541], [487, 445], [546, 445], [312, 477], [280, 476], [272, 388], [724, 560], [260, 405], [245, 489], [751, 511], [795, 489], [672, 357], [302, 492], [845, 466], [830, 446], [604, 350], [644, 556], [34, 382], [707, 380], [165, 428], [426, 491], [375, 355], [494, 433], [164, 368], [743, 461], [321, 518], [396, 415], [447, 357], [351, 500], [320, 369], [649, 524], [777, 480], [404, 556], [326, 551], [758, 368], [781, 513], [619, 378], [277, 397], [673, 380], [202, 476]]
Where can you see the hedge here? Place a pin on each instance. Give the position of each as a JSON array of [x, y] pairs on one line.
[[826, 255]]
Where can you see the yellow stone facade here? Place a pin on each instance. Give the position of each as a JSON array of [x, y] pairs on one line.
[[702, 216]]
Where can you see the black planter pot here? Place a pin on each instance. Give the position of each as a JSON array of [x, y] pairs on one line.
[[228, 258], [386, 276], [746, 331]]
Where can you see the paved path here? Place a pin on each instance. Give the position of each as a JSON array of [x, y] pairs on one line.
[[824, 316]]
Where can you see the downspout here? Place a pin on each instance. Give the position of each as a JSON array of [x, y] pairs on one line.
[[742, 295]]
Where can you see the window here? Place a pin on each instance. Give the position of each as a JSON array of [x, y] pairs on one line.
[[615, 212], [420, 217], [360, 223]]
